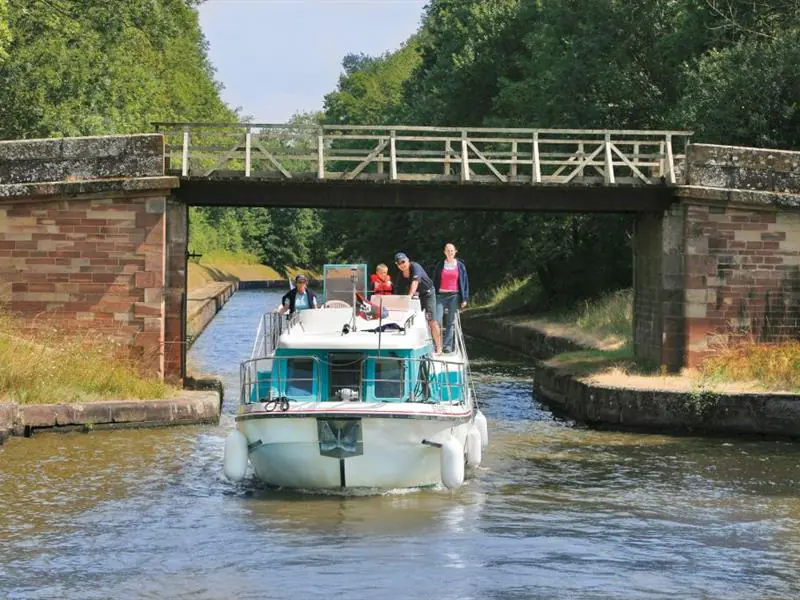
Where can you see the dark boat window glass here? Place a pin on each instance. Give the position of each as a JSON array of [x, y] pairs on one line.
[[388, 378], [345, 376], [299, 377]]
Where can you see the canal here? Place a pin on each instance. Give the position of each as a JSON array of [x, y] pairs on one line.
[[556, 511]]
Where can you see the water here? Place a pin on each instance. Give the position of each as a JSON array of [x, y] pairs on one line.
[[555, 512]]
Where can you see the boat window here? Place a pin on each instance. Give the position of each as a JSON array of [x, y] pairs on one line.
[[299, 377], [388, 378], [345, 376]]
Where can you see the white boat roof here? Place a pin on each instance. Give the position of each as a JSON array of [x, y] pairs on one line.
[[323, 328]]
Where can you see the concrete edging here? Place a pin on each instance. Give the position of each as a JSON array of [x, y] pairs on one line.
[[187, 408], [203, 305], [657, 410]]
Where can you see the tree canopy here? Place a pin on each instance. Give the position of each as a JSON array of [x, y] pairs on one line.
[[727, 69]]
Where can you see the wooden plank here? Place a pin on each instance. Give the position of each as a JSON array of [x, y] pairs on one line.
[[185, 157], [225, 158], [583, 162], [320, 156], [524, 130], [465, 171], [670, 161], [247, 142], [273, 160], [448, 148], [609, 162], [514, 159], [632, 167], [485, 161], [361, 166], [392, 156], [536, 169]]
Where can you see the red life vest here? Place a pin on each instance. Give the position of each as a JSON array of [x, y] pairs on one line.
[[380, 286]]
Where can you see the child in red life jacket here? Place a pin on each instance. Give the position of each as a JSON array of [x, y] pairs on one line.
[[380, 282]]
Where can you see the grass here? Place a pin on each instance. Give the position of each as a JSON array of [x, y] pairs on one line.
[[583, 362], [774, 366], [608, 315], [42, 366], [226, 257], [515, 296]]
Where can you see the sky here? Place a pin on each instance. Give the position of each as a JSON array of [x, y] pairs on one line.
[[279, 57]]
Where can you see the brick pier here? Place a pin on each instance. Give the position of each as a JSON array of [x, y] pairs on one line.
[[90, 238], [723, 264]]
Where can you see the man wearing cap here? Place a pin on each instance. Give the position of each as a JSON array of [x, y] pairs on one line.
[[415, 280], [299, 298]]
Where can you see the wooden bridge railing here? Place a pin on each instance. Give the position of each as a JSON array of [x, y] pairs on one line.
[[411, 153]]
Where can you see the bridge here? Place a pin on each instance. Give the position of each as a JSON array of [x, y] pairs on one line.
[[93, 231], [415, 167]]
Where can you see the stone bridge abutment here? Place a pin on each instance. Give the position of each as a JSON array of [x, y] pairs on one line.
[[91, 238], [93, 235], [723, 263]]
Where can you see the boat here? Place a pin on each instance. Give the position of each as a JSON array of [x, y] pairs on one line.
[[351, 395]]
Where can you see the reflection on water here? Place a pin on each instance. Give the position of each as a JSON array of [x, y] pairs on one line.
[[556, 511]]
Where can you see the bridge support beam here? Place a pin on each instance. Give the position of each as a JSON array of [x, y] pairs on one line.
[[658, 288]]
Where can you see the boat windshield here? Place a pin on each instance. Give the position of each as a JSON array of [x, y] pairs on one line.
[[354, 377]]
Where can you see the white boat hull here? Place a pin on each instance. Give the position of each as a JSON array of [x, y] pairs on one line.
[[285, 448]]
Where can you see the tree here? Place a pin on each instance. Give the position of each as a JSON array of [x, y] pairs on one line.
[[5, 30]]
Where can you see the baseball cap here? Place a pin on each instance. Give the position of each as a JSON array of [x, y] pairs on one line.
[[301, 278], [400, 256]]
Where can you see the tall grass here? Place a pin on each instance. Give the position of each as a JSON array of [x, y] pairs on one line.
[[611, 314], [517, 295], [42, 366], [774, 366]]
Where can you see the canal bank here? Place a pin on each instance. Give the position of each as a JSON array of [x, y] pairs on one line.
[[188, 407], [645, 405]]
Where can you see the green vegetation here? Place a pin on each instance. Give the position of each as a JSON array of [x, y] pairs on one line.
[[608, 315], [728, 71], [40, 366], [88, 67]]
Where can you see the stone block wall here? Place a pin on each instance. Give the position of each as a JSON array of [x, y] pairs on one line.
[[93, 264], [90, 239], [741, 168], [742, 277], [81, 159]]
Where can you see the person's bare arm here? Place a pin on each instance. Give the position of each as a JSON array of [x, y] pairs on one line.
[[412, 289]]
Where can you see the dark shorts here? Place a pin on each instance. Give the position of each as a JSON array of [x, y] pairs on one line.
[[428, 303]]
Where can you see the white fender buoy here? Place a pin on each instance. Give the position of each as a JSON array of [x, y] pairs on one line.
[[452, 464], [235, 462], [474, 447], [483, 428]]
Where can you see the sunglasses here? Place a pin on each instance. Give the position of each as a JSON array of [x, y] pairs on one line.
[[401, 262]]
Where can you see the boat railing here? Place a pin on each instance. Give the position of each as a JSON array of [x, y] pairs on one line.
[[461, 348], [261, 381], [365, 379], [270, 328]]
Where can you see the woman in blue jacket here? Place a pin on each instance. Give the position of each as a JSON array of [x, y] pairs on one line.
[[452, 292]]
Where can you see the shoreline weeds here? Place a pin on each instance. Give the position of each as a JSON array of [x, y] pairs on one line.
[[642, 408]]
